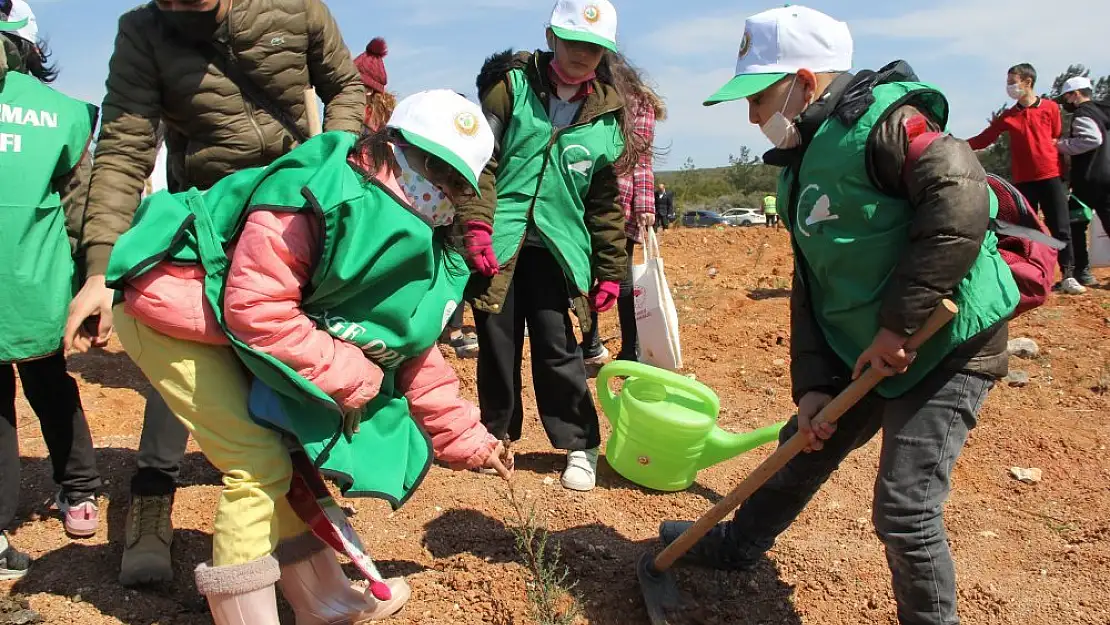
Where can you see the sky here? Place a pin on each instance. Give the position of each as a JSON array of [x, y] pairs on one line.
[[687, 49]]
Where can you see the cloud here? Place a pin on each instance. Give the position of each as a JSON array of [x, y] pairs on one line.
[[434, 12], [1002, 32], [720, 33]]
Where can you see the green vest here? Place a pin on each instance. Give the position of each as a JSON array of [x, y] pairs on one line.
[[551, 197], [43, 135], [851, 236], [384, 281], [770, 205]]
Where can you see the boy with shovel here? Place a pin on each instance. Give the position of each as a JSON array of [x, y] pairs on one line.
[[878, 243]]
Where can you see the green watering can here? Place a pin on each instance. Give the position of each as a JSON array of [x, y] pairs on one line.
[[665, 427]]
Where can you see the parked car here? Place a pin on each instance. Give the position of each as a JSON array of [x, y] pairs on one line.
[[744, 217], [702, 219]]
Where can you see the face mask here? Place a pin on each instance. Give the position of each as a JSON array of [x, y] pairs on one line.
[[426, 198], [567, 80], [1014, 91], [194, 25], [779, 130]]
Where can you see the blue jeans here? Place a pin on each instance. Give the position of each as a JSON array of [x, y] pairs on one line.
[[923, 434]]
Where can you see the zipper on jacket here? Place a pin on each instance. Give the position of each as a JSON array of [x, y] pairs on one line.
[[248, 109]]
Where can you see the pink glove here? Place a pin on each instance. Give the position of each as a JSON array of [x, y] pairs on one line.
[[604, 295], [479, 247]]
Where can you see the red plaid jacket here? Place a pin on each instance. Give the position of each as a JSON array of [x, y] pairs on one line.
[[637, 189]]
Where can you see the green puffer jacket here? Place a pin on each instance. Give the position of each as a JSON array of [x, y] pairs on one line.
[[155, 77]]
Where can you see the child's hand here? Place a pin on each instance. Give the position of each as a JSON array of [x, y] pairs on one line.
[[351, 421], [501, 460]]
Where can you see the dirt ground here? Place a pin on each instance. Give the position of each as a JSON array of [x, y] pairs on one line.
[[1026, 553]]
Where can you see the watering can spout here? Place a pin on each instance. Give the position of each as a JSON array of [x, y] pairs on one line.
[[722, 445]]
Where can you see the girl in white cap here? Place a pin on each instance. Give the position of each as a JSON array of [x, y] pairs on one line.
[[549, 215], [316, 327]]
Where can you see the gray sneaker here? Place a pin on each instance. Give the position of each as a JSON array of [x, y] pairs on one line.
[[13, 564], [149, 535]]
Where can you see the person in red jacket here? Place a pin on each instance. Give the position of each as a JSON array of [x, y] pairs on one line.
[[1034, 125]]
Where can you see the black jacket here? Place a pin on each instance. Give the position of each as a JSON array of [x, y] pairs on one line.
[[1090, 172], [947, 188], [664, 205]]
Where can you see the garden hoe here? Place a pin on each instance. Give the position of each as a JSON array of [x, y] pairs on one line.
[[658, 586]]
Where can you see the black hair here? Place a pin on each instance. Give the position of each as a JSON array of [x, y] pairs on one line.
[[1024, 71], [34, 58]]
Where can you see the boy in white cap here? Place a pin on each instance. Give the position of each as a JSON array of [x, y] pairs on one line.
[[43, 139], [318, 329], [1089, 173], [549, 227], [876, 250]]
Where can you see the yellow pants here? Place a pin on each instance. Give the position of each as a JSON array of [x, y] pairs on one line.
[[207, 388]]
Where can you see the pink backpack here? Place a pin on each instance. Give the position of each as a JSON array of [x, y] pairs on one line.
[[1023, 240]]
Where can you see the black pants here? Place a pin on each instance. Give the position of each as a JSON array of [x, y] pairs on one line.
[[537, 295], [53, 395], [626, 312], [1079, 240], [1050, 197], [161, 450], [772, 221]]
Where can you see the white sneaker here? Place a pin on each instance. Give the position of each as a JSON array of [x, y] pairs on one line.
[[598, 360], [1071, 286], [581, 471]]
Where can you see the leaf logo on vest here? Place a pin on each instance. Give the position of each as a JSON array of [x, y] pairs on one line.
[[580, 167], [375, 349], [820, 212], [592, 13], [467, 124]]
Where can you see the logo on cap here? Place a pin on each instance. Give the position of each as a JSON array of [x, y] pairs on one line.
[[466, 123], [746, 44], [592, 13]]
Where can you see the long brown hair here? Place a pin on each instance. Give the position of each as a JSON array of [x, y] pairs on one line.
[[630, 84], [379, 108]]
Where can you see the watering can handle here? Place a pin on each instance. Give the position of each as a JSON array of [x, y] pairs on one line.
[[628, 369]]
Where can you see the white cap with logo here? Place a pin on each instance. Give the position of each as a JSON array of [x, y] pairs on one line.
[[591, 21], [781, 41], [447, 125], [17, 18], [1076, 83]]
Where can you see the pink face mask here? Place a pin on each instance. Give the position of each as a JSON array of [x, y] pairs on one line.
[[567, 80]]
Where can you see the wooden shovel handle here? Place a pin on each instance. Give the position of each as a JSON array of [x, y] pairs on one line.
[[312, 109], [786, 452]]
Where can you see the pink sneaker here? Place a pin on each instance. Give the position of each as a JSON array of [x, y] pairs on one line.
[[81, 519]]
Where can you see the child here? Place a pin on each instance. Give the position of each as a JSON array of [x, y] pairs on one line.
[[1034, 124], [876, 250], [336, 282], [637, 198], [36, 275], [371, 68], [549, 215]]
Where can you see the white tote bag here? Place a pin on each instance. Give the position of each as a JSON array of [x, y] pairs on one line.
[[656, 317], [1100, 244]]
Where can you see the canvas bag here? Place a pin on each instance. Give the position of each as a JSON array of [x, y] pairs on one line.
[[1100, 244], [656, 316]]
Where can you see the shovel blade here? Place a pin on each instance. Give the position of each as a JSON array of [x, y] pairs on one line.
[[658, 588]]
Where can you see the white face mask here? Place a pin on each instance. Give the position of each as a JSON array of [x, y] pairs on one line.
[[779, 130], [1014, 91], [426, 198]]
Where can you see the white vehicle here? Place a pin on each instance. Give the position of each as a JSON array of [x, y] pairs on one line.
[[744, 217]]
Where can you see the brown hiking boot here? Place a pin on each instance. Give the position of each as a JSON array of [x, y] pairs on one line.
[[146, 555]]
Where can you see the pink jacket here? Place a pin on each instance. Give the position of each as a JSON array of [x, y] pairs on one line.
[[270, 264]]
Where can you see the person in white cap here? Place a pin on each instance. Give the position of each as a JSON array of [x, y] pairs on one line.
[[878, 244], [1089, 173], [549, 227], [44, 164], [318, 330]]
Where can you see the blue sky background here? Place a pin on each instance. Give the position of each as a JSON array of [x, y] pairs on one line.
[[687, 48]]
